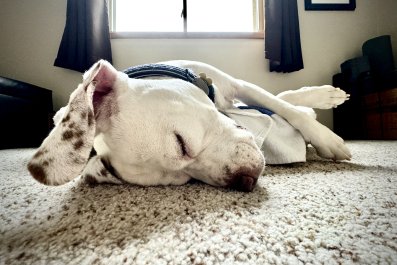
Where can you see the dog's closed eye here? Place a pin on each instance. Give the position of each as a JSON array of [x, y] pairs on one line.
[[182, 144]]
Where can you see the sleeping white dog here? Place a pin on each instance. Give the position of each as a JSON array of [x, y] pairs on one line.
[[162, 130]]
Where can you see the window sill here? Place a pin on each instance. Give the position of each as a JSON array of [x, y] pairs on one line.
[[186, 35]]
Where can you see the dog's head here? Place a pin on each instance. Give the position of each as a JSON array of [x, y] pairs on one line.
[[143, 126]]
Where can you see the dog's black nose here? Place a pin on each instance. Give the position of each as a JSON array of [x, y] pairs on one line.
[[247, 164], [243, 182]]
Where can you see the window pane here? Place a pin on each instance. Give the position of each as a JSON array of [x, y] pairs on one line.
[[153, 15], [220, 16]]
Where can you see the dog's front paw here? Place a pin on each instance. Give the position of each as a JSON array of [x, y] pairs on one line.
[[328, 144], [95, 172], [333, 148], [323, 97], [317, 97]]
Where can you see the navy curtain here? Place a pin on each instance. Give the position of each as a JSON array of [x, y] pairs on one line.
[[282, 38], [86, 36]]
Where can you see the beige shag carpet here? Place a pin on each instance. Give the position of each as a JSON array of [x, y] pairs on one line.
[[314, 213]]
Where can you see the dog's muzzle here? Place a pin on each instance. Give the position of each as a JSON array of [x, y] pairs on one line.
[[250, 164]]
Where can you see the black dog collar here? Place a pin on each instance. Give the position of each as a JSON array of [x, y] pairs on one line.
[[150, 70]]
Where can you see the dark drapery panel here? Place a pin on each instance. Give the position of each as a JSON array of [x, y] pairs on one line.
[[86, 36], [282, 37]]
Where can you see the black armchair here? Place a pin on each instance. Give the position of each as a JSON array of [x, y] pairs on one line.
[[371, 112], [25, 112]]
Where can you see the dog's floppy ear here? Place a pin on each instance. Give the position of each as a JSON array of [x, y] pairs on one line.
[[65, 152]]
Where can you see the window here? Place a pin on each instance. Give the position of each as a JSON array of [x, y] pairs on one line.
[[187, 18]]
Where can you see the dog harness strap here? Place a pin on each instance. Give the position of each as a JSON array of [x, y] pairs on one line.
[[260, 109], [150, 70]]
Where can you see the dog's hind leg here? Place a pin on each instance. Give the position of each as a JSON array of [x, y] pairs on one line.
[[327, 143], [318, 97]]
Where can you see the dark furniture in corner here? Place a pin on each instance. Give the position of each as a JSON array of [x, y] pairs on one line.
[[25, 112], [371, 80]]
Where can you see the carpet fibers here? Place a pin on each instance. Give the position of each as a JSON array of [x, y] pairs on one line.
[[313, 213]]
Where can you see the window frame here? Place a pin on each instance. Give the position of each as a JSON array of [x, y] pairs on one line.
[[258, 22]]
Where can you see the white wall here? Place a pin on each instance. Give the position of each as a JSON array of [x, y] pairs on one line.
[[31, 31]]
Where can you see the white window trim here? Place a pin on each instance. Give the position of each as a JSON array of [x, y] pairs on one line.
[[258, 23]]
